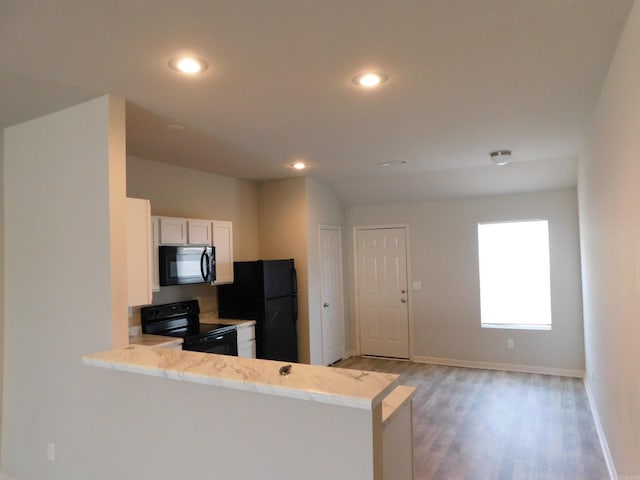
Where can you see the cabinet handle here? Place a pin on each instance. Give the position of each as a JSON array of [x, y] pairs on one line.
[[403, 300], [325, 305]]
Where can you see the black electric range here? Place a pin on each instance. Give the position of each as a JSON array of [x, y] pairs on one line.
[[182, 320]]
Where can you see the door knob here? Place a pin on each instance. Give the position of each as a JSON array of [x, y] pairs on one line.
[[403, 291], [403, 300], [325, 305]]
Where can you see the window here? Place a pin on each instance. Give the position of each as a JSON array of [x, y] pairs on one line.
[[515, 289]]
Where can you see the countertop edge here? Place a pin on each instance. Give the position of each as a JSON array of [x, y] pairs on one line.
[[156, 341], [182, 374], [395, 400]]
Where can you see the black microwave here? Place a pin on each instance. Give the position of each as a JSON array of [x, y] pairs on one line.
[[185, 265]]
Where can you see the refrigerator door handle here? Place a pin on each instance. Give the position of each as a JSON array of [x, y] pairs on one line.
[[294, 306], [294, 279]]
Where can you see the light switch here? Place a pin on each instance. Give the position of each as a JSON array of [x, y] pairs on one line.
[[51, 452], [417, 285]]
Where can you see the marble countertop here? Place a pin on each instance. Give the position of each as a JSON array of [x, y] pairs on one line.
[[213, 318], [154, 340], [397, 398], [338, 386]]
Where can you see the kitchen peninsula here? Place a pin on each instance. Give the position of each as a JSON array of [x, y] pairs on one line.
[[338, 386], [317, 408]]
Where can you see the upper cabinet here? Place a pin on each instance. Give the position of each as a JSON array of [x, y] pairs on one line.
[[173, 231], [199, 232], [223, 241], [190, 231], [139, 252]]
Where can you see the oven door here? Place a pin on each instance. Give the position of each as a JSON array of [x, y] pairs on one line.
[[221, 343]]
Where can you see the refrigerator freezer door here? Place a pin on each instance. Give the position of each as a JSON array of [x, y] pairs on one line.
[[279, 278]]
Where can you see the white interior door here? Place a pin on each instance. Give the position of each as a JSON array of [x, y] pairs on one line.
[[332, 301], [383, 310]]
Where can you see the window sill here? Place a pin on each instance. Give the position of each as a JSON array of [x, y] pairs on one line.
[[516, 327]]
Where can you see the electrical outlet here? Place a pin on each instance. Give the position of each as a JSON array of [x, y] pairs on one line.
[[51, 452], [510, 343]]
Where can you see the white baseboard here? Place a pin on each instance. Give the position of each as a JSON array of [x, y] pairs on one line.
[[601, 436], [349, 354], [563, 372]]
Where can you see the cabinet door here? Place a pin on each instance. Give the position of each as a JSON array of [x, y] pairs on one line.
[[246, 341], [223, 241], [173, 231], [199, 232], [138, 252], [247, 349], [155, 240]]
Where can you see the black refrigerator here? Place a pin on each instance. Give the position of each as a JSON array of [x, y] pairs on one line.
[[265, 291]]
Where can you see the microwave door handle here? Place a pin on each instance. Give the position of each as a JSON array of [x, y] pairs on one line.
[[209, 259], [202, 257]]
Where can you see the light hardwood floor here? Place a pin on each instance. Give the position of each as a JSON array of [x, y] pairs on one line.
[[490, 425]]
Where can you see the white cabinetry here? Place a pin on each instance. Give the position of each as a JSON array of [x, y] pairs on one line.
[[223, 241], [139, 255], [246, 340], [173, 231], [199, 232], [190, 231], [155, 242]]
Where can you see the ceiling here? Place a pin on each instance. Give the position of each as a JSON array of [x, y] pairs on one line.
[[465, 77]]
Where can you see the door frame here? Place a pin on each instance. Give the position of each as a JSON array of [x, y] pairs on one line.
[[358, 228], [340, 286]]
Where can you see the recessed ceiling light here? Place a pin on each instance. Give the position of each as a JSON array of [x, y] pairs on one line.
[[188, 65], [500, 157], [299, 165], [391, 164], [370, 79]]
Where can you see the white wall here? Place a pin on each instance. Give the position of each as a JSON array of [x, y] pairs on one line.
[[182, 192], [609, 172], [60, 271], [444, 257], [324, 208], [61, 261]]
